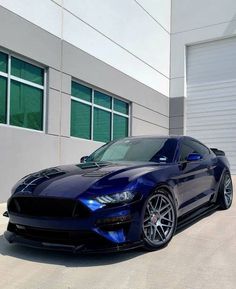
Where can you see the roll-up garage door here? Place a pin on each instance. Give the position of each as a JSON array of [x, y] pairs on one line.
[[211, 95]]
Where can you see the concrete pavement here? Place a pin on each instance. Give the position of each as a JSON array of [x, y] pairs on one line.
[[203, 256]]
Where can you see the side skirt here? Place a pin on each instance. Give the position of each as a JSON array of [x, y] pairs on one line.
[[195, 215]]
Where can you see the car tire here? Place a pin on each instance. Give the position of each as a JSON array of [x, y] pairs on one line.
[[225, 193], [159, 220]]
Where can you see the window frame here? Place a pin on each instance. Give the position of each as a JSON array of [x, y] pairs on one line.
[[94, 105], [10, 77]]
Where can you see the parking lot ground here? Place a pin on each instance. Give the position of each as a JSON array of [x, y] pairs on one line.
[[202, 256]]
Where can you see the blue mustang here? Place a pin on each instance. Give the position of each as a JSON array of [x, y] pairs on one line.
[[128, 193]]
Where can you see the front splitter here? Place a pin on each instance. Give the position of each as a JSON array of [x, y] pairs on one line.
[[13, 238]]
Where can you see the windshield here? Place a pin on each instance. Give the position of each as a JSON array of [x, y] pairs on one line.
[[160, 150]]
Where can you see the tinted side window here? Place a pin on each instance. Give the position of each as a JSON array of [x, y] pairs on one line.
[[185, 150], [199, 148], [166, 152], [191, 146]]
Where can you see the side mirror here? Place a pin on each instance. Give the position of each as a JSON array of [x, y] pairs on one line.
[[194, 157], [83, 159]]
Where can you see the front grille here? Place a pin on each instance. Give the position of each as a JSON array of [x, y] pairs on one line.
[[47, 207], [58, 236]]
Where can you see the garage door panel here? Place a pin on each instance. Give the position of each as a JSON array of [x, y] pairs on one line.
[[209, 140], [218, 55], [219, 88], [224, 115], [212, 116], [224, 141], [211, 95], [213, 100], [212, 126], [218, 94], [213, 132], [224, 96], [216, 106], [233, 168]]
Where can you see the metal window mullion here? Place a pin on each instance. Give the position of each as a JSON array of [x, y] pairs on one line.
[[130, 120], [8, 88], [92, 114], [97, 105], [100, 90], [102, 107], [112, 110], [4, 74], [81, 100], [121, 114], [44, 100], [21, 80]]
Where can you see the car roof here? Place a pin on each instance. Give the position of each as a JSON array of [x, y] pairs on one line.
[[156, 136], [176, 137]]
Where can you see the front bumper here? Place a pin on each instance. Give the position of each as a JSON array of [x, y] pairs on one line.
[[105, 230]]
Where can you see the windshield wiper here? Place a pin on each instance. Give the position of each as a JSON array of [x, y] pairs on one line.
[[96, 164]]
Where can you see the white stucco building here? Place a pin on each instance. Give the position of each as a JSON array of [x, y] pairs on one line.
[[75, 74]]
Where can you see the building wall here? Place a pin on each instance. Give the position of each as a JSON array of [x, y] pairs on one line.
[[124, 34], [193, 22], [121, 47]]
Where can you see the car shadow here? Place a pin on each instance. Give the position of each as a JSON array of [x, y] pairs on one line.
[[65, 258]]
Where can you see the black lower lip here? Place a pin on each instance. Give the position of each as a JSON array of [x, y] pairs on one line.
[[16, 239]]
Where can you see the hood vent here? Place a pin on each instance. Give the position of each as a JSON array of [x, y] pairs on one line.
[[96, 174]]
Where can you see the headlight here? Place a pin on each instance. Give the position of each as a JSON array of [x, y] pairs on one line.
[[116, 198]]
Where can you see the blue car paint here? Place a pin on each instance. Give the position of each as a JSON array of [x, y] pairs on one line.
[[190, 184]]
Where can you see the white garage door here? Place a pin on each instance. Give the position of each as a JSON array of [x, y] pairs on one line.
[[211, 95]]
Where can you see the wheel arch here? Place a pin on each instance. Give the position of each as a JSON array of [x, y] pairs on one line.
[[224, 170], [168, 190]]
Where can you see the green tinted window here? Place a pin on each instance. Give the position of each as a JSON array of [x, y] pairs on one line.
[[121, 106], [101, 125], [120, 126], [26, 106], [81, 91], [3, 99], [3, 62], [27, 71], [80, 120], [102, 99], [98, 120]]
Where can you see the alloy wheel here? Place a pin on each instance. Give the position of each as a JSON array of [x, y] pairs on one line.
[[159, 219], [228, 190]]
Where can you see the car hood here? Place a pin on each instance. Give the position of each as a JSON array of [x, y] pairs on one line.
[[71, 181]]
